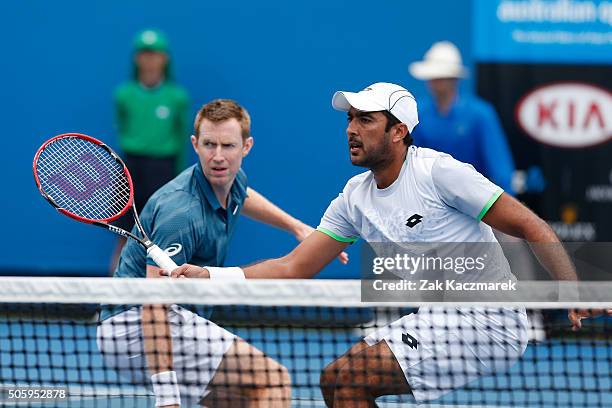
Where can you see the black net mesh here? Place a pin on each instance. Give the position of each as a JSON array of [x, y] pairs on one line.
[[303, 343]]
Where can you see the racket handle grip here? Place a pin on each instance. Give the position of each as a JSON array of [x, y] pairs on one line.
[[161, 259]]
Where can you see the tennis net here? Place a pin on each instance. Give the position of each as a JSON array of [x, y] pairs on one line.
[[60, 348]]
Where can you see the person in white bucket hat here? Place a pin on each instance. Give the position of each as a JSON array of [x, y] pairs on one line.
[[442, 60], [462, 125]]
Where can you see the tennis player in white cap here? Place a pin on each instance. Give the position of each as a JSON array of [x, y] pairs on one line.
[[436, 350]]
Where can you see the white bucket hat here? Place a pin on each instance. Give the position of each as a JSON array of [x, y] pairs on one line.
[[381, 96], [442, 60]]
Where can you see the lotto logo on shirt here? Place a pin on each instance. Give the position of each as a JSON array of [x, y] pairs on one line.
[[396, 225], [414, 220]]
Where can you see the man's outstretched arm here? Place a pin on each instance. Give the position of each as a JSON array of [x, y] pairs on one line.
[[259, 208], [305, 261], [510, 216]]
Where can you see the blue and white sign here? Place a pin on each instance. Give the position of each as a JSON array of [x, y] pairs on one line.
[[559, 31]]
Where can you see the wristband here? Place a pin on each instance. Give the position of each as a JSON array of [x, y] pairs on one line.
[[166, 389], [225, 273]]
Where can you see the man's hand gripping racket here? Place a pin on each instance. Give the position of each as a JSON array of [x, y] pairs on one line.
[[86, 180]]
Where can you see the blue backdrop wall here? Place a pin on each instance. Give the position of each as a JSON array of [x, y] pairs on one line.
[[282, 60]]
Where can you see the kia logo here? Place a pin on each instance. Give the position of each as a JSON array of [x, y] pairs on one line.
[[569, 114]]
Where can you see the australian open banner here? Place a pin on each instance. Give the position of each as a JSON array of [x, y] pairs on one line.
[[546, 66], [543, 30]]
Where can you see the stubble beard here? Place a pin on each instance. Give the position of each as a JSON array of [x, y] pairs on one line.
[[378, 158]]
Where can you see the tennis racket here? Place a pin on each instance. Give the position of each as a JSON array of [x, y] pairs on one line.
[[86, 180]]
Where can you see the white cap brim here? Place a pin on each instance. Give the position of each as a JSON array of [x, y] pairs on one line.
[[426, 71], [343, 101]]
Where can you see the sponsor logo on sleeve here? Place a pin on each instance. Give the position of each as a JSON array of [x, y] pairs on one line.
[[173, 249]]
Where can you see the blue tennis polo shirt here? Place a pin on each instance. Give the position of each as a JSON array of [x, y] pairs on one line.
[[184, 218]]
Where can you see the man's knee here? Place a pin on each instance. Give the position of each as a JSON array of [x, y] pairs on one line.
[[327, 380], [352, 376], [329, 373], [351, 385], [271, 388], [285, 376], [274, 375]]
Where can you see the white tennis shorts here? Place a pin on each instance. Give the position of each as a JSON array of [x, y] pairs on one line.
[[441, 349], [198, 346]]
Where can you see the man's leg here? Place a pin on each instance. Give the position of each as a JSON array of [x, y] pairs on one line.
[[360, 376], [327, 381], [246, 377]]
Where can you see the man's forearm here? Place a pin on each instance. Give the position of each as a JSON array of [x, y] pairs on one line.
[[271, 269], [305, 261], [261, 209], [279, 268], [550, 252]]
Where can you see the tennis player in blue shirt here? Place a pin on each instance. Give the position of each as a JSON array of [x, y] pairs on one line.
[[193, 218]]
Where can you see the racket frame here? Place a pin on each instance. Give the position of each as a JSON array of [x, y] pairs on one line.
[[162, 259]]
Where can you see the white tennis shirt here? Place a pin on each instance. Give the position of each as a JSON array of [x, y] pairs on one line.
[[435, 199], [447, 198]]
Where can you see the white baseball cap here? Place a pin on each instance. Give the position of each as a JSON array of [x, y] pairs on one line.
[[381, 96], [442, 60]]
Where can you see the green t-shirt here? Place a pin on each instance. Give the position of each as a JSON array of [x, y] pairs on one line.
[[152, 121]]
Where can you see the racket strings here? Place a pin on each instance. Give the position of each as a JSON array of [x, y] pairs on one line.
[[83, 178]]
